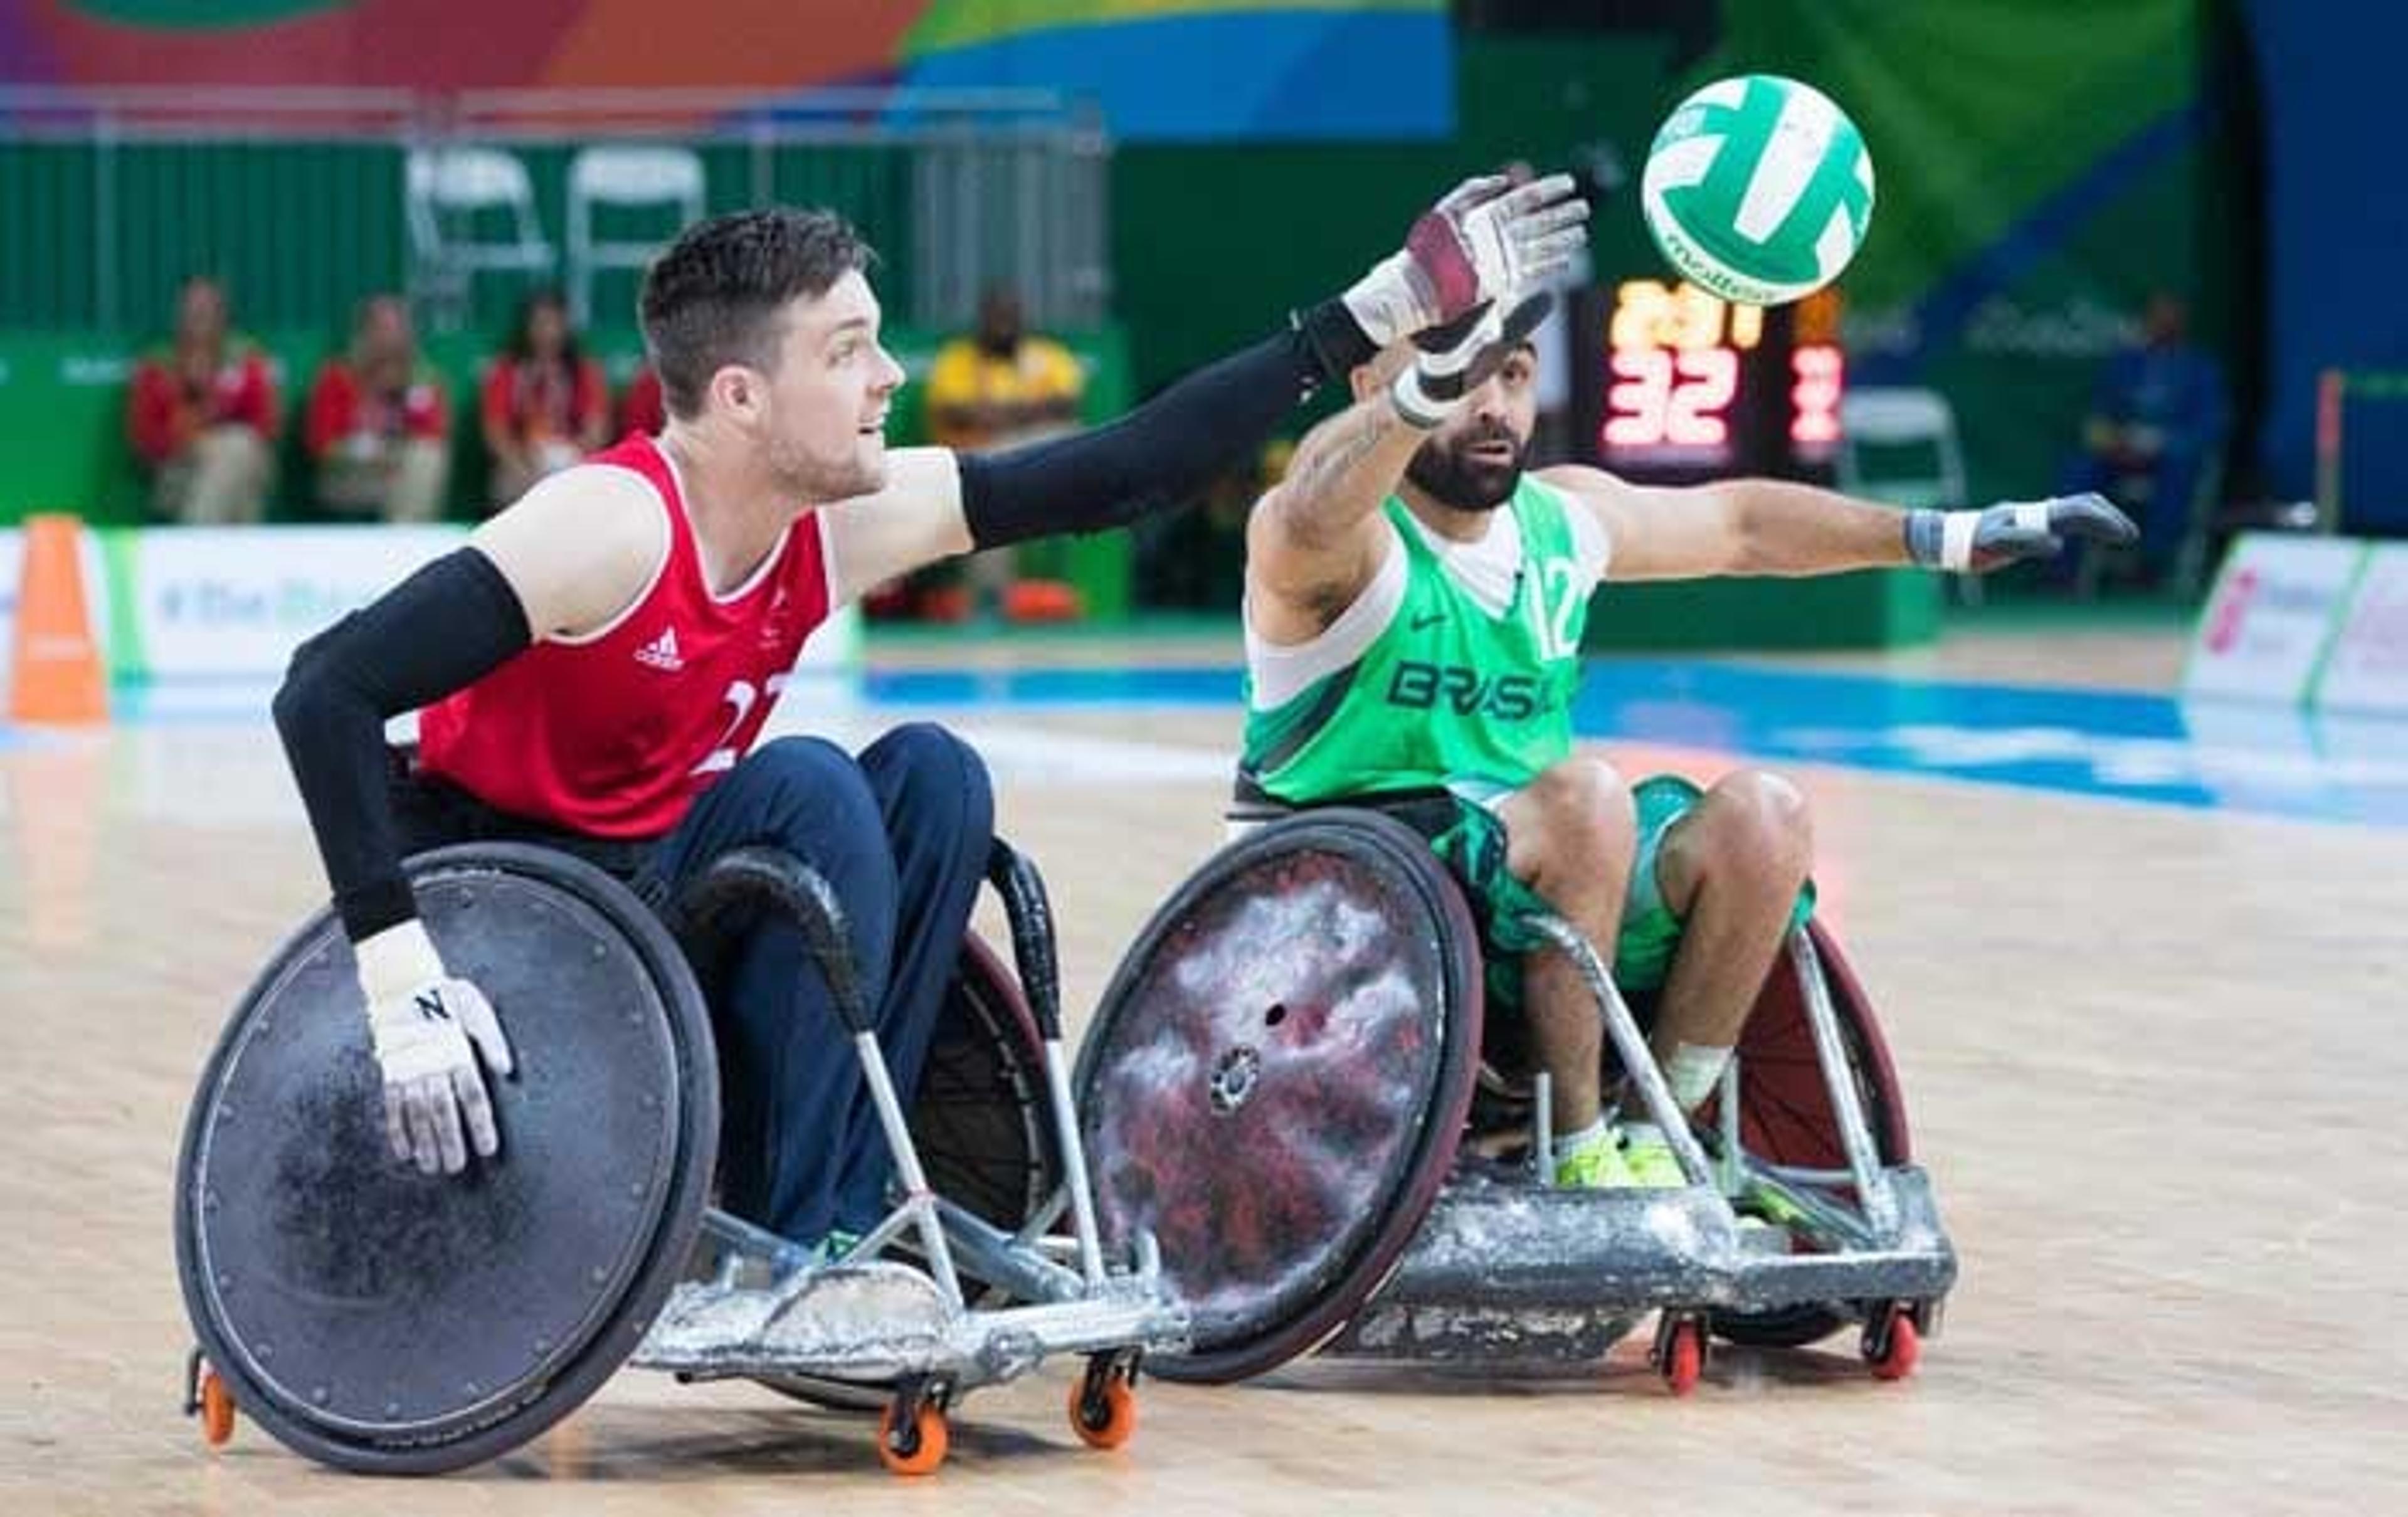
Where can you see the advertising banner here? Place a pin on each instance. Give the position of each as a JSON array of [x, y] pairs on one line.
[[2263, 633]]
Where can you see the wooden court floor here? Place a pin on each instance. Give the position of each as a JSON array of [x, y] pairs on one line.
[[2153, 1058]]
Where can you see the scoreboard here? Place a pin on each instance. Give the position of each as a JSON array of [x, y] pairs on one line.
[[1673, 385]]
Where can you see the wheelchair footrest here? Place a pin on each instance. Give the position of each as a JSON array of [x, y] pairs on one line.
[[881, 1321], [1520, 1251]]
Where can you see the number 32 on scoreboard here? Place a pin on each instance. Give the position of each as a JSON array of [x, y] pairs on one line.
[[1663, 398]]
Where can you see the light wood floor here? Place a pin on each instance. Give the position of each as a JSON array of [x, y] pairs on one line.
[[2153, 1058]]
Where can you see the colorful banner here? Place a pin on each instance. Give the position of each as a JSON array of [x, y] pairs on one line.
[[1159, 69]]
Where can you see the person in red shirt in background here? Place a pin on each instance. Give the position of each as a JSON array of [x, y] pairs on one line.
[[380, 421], [544, 403], [640, 409], [200, 415]]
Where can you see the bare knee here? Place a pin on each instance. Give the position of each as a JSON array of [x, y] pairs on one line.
[[1575, 821], [1754, 823]]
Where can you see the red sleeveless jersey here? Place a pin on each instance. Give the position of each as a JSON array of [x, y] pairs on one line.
[[614, 735]]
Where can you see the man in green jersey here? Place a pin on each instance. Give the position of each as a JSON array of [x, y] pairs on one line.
[[1414, 604]]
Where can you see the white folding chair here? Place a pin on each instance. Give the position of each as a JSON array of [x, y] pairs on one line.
[[447, 190], [624, 178], [1901, 446]]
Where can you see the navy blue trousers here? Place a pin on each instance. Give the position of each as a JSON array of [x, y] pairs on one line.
[[902, 832]]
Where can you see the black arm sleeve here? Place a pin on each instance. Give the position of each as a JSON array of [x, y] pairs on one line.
[[1167, 450], [441, 629]]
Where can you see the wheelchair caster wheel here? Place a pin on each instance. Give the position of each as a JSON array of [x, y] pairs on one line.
[[1103, 1407], [217, 1408], [1680, 1354], [1892, 1348], [206, 1397], [913, 1442]]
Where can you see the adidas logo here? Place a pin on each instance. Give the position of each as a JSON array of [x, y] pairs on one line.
[[662, 651]]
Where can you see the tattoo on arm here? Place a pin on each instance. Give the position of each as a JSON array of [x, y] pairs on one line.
[[1345, 470]]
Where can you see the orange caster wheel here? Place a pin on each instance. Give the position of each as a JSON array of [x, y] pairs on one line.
[[916, 1446], [1894, 1356], [217, 1408], [1103, 1411], [206, 1397], [1680, 1354]]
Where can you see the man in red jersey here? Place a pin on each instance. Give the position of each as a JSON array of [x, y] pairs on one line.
[[595, 666], [379, 425], [201, 414]]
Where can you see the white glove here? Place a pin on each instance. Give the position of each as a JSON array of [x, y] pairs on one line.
[[1457, 358], [428, 1028], [1488, 237]]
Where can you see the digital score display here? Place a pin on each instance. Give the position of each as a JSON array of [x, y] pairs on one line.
[[1675, 384]]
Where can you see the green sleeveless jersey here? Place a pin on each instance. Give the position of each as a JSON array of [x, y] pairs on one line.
[[1447, 691]]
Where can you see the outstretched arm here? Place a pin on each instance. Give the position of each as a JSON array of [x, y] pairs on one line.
[[1776, 528], [1488, 238]]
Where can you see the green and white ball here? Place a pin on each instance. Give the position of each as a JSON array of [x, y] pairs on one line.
[[1758, 189]]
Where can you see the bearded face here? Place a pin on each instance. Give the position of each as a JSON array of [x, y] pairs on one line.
[[1472, 464]]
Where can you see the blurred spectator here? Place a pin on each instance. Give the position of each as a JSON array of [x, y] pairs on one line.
[[993, 388], [379, 423], [640, 409], [200, 415], [1001, 385], [2156, 431], [545, 405]]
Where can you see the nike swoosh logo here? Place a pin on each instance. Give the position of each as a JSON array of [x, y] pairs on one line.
[[1427, 619]]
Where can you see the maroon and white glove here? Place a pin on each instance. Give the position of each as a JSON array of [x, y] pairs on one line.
[[1488, 237]]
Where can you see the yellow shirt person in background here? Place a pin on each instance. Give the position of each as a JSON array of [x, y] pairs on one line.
[[1001, 385]]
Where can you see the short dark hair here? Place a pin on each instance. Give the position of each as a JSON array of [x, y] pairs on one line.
[[713, 298]]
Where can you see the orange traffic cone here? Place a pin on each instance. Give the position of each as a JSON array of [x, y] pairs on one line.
[[57, 672]]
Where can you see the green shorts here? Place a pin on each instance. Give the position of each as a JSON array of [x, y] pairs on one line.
[[1471, 844]]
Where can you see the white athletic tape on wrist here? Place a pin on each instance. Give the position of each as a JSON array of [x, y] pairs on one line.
[[1382, 302], [1693, 1072], [1413, 406], [396, 961], [1957, 530]]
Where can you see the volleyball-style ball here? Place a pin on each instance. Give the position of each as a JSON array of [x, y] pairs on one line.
[[1758, 189]]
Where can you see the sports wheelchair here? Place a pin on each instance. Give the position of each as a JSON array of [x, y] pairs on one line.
[[1283, 1086], [379, 1319]]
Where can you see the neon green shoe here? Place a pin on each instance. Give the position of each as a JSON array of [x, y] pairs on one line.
[[1594, 1163], [1774, 1208], [1653, 1165]]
